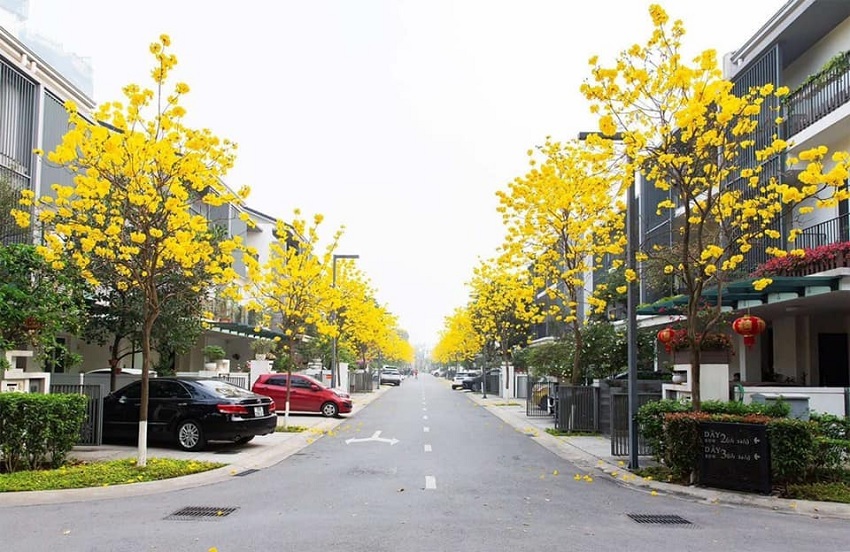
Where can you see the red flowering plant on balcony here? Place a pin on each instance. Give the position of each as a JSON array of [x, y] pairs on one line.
[[809, 261]]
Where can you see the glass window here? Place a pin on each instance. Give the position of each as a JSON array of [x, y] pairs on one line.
[[167, 390], [133, 391]]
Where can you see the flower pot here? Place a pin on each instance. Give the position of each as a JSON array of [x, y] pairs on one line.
[[259, 356], [678, 377]]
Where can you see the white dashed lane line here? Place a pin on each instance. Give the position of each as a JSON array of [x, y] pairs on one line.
[[427, 448], [426, 429], [430, 482], [425, 417]]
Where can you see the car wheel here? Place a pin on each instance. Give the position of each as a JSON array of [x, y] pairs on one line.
[[243, 440], [190, 436], [329, 410]]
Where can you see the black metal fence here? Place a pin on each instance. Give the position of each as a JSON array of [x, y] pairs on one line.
[[825, 233], [577, 408], [239, 380], [541, 399], [91, 432], [620, 423]]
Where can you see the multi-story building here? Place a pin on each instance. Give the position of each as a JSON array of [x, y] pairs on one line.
[[806, 47], [33, 116]]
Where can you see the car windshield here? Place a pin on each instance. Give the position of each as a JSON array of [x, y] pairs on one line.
[[226, 390], [391, 371]]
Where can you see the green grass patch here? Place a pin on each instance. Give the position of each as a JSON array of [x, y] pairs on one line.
[[835, 491], [559, 433], [101, 474], [290, 429]]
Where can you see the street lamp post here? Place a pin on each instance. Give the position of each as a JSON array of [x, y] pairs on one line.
[[631, 302], [334, 363]]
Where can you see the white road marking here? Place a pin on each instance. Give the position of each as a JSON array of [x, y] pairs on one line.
[[375, 437], [424, 409], [425, 417], [427, 429], [430, 482], [427, 448]]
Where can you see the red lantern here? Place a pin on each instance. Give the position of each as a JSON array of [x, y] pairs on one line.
[[665, 336], [749, 326]]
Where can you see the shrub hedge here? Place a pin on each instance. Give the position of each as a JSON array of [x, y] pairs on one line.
[[39, 430], [800, 450]]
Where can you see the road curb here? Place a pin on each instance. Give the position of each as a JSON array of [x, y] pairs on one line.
[[583, 459], [264, 458]]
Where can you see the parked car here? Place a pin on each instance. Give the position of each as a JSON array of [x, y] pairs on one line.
[[391, 376], [473, 381], [457, 381], [189, 412], [121, 371], [306, 394]]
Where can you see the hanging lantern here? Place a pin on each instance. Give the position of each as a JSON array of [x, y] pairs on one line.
[[749, 326], [666, 336]]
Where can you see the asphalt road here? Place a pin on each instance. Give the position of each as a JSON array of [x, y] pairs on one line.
[[422, 468]]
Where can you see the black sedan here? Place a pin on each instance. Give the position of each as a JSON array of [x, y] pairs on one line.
[[189, 412]]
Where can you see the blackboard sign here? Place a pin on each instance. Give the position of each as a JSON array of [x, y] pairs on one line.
[[735, 456]]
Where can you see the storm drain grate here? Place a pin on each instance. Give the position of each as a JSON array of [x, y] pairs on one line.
[[659, 519], [246, 472], [191, 513]]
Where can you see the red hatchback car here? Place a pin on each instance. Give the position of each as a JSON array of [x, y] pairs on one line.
[[306, 394]]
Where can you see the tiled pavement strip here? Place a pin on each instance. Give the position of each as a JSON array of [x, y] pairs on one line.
[[591, 454]]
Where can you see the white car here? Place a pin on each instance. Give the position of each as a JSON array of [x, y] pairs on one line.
[[457, 381], [390, 376]]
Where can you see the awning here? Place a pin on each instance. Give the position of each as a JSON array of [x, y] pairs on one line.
[[742, 291]]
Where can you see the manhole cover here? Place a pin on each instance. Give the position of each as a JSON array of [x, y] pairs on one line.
[[191, 513], [659, 519]]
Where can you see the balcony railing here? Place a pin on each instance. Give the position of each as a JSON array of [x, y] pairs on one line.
[[826, 92], [831, 231]]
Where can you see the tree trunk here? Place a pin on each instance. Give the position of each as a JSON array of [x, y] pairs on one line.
[[695, 379], [149, 316]]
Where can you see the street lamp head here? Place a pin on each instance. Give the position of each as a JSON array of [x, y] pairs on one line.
[[346, 257], [616, 137]]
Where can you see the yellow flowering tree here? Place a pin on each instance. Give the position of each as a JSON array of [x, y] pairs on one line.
[[142, 181], [291, 291], [458, 342], [365, 326], [714, 154], [562, 219], [502, 307]]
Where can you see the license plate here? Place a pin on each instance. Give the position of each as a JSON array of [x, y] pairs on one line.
[[258, 411]]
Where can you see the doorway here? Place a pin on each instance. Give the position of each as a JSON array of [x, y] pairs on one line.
[[833, 360]]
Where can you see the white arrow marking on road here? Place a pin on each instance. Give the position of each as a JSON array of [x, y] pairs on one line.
[[375, 437]]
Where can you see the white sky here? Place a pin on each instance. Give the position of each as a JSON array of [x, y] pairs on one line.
[[398, 119]]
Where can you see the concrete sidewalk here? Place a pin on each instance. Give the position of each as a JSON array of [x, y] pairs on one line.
[[262, 452], [592, 454]]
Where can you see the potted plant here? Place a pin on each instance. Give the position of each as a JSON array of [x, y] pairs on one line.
[[213, 354], [262, 347]]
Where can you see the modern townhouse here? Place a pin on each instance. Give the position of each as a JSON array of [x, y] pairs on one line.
[[32, 116], [805, 349]]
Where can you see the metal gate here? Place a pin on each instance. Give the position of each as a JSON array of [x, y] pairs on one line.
[[577, 408], [91, 432], [541, 399], [620, 423]]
